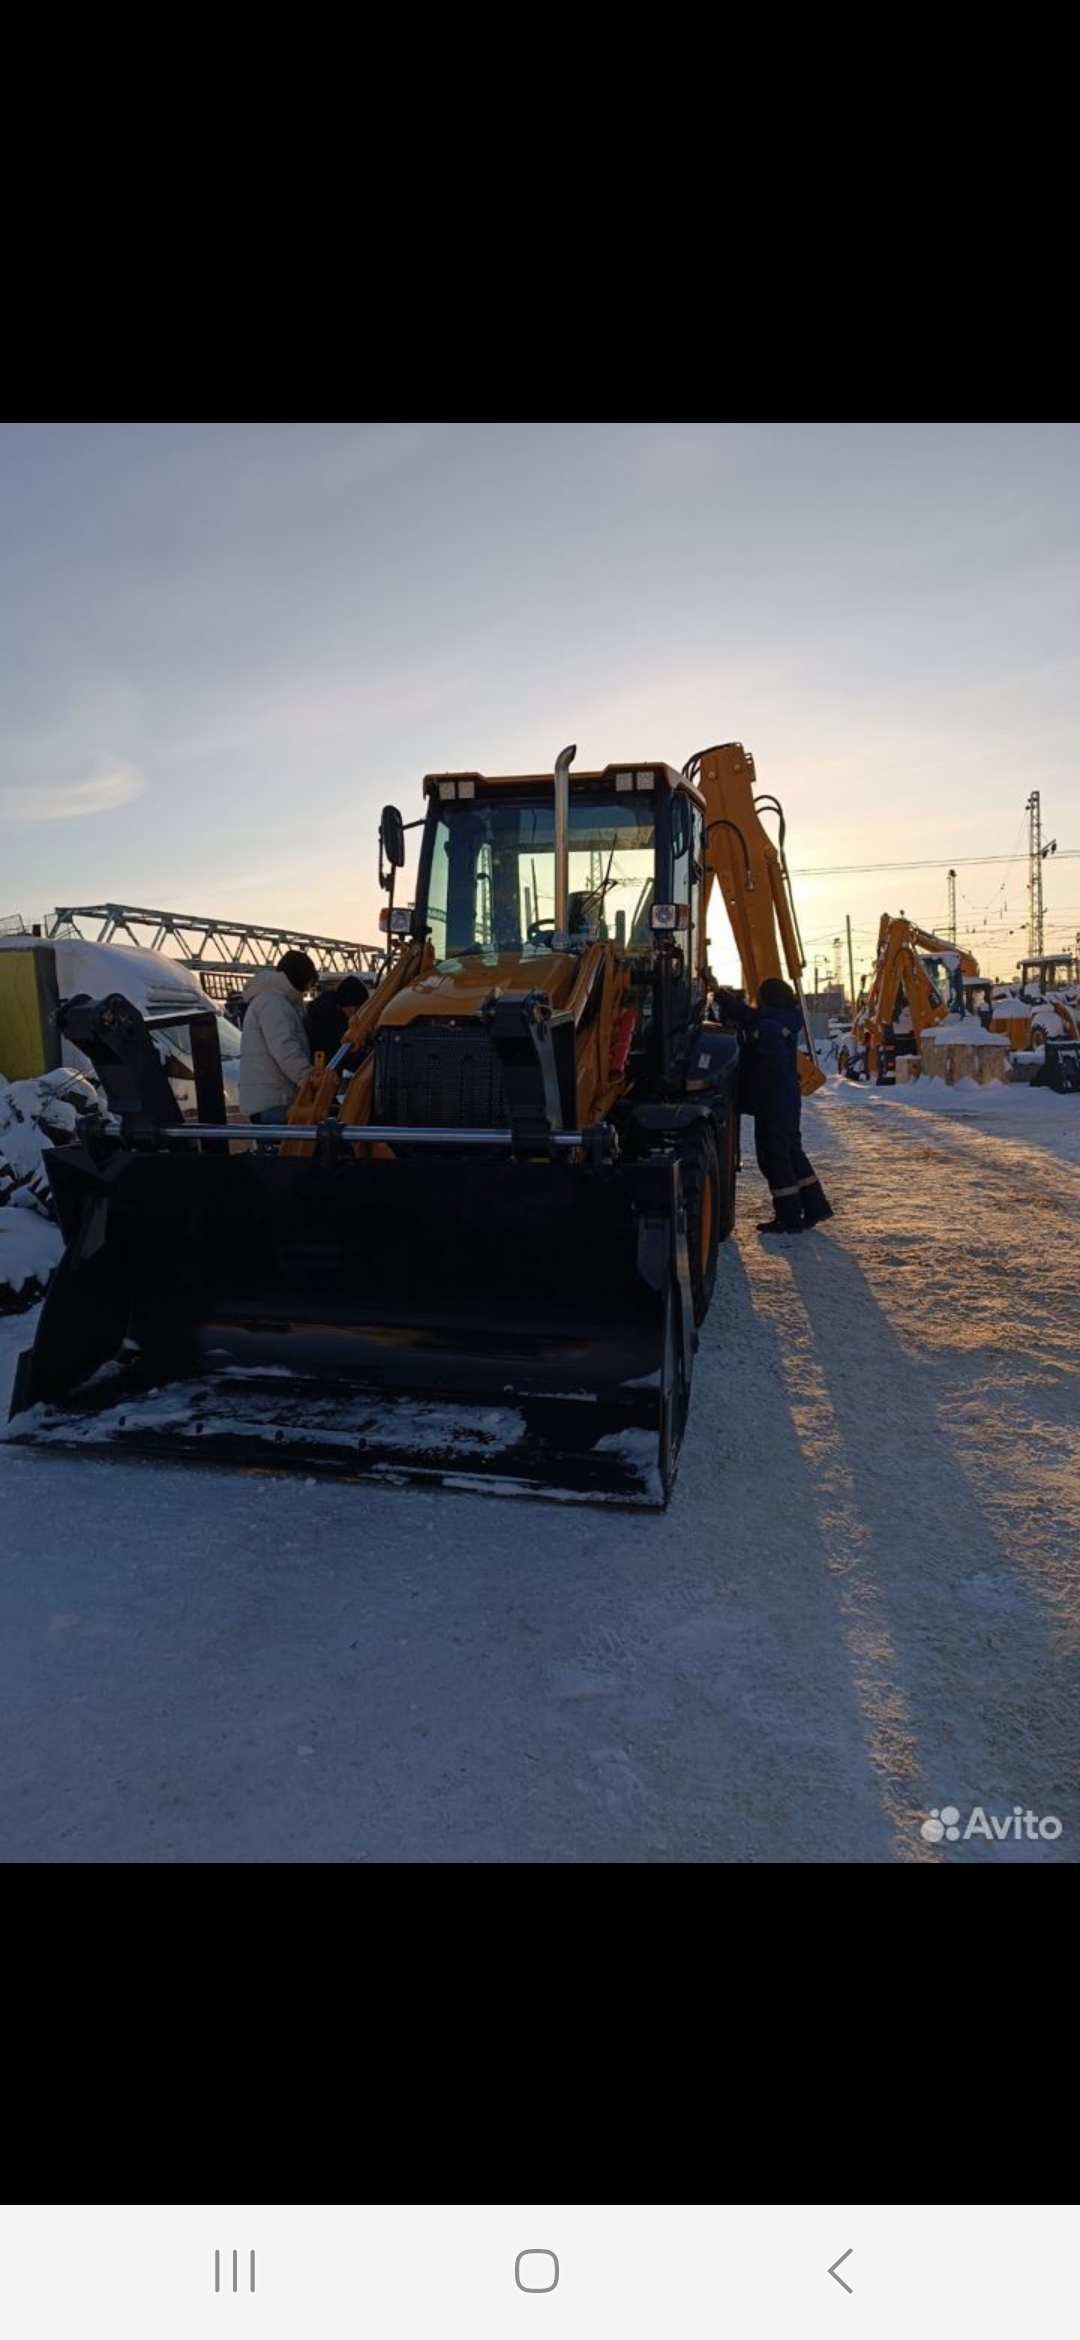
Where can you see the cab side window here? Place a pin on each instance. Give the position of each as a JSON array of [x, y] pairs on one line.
[[682, 892]]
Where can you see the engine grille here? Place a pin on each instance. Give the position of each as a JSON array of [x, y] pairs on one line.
[[439, 1076]]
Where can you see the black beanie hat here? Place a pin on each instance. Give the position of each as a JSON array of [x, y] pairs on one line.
[[776, 994]]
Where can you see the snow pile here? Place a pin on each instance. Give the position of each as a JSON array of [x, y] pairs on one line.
[[29, 1250], [967, 1031], [937, 1093], [34, 1115]]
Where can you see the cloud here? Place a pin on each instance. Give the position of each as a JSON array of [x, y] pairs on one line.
[[301, 711], [113, 782]]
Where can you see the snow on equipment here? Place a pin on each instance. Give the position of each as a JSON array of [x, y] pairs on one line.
[[34, 1116], [38, 974], [477, 1248], [1044, 1005], [29, 1250]]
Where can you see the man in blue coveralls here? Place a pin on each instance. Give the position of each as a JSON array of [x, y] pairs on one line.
[[769, 1089]]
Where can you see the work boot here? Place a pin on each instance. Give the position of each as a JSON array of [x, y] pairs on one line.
[[787, 1216], [816, 1204]]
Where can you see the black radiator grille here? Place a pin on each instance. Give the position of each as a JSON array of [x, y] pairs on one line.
[[439, 1076]]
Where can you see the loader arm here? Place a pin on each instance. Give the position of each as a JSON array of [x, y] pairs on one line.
[[750, 868], [314, 1099], [596, 1002]]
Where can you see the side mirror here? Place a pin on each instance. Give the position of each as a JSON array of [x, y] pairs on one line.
[[392, 836]]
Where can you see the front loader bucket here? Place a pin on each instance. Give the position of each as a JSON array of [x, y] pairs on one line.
[[488, 1322]]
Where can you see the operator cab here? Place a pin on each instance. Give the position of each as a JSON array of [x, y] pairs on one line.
[[979, 994], [486, 885], [945, 980], [486, 891], [1053, 971]]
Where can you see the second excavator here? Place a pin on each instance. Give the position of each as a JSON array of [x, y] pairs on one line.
[[479, 1246], [917, 982]]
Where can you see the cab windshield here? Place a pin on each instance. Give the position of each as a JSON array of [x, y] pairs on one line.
[[491, 875], [944, 981]]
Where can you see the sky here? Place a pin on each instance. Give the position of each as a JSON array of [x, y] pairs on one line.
[[224, 646]]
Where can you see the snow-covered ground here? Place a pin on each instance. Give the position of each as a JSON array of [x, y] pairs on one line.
[[862, 1604], [1005, 1109]]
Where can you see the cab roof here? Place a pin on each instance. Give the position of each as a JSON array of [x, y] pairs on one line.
[[621, 778]]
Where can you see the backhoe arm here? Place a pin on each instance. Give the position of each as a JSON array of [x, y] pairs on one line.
[[943, 950], [749, 867]]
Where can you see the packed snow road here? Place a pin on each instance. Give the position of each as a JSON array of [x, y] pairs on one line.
[[862, 1606]]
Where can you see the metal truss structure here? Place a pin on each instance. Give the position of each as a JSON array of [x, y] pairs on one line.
[[221, 952]]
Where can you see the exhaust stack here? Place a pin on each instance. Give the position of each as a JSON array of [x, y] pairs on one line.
[[563, 762]]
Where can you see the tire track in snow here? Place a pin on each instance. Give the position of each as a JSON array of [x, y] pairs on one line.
[[849, 1551], [975, 1260], [957, 1395]]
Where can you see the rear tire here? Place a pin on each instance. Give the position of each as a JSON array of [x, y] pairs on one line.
[[675, 1400], [701, 1186], [729, 1169]]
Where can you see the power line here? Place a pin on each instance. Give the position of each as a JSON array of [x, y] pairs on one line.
[[959, 861]]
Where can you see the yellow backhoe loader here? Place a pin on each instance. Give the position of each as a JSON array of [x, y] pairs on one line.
[[1043, 1005], [918, 981], [478, 1246]]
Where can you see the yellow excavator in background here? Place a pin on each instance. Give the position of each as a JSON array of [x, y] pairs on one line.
[[918, 981], [478, 1245]]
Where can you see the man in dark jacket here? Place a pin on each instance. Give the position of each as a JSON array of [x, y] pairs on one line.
[[769, 1089], [325, 1021]]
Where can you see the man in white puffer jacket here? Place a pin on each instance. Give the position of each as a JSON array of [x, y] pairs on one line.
[[274, 1052]]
